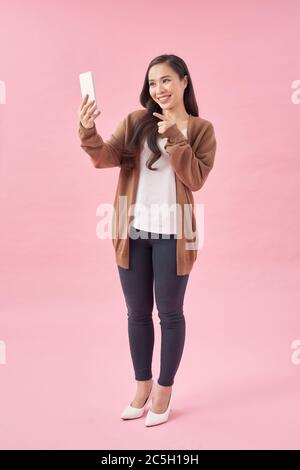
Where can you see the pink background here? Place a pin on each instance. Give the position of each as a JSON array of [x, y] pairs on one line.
[[68, 373]]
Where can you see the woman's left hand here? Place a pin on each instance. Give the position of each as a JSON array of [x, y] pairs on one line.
[[165, 123]]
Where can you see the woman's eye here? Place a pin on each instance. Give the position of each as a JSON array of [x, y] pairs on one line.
[[166, 79]]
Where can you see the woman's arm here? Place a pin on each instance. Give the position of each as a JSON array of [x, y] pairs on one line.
[[103, 154], [192, 168]]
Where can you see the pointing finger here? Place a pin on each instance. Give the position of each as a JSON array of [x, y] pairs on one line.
[[161, 116]]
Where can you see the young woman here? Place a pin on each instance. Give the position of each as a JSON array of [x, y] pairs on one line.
[[164, 152]]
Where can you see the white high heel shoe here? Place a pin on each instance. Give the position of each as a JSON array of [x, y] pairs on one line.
[[132, 412], [157, 418]]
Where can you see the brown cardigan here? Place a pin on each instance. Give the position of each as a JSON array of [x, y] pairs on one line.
[[192, 159]]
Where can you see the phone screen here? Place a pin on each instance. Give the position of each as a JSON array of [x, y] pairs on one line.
[[87, 86]]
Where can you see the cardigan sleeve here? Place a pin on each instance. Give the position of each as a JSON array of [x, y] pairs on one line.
[[103, 154], [192, 168]]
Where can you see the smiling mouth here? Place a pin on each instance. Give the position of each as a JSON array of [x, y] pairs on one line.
[[164, 98]]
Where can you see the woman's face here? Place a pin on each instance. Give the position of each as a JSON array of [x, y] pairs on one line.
[[163, 81]]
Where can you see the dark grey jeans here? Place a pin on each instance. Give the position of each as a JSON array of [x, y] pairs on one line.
[[153, 260]]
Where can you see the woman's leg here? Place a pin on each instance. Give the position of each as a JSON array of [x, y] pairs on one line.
[[137, 285], [169, 296]]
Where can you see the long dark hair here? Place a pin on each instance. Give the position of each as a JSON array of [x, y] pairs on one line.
[[146, 127]]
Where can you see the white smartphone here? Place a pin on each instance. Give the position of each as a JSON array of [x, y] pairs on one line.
[[87, 87]]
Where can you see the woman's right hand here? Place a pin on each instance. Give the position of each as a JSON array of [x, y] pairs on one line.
[[87, 113]]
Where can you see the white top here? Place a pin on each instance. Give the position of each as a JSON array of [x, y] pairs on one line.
[[155, 205]]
